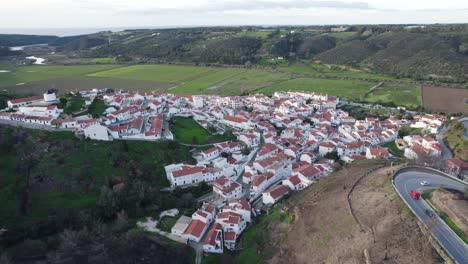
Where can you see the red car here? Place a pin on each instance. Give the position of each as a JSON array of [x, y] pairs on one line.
[[415, 194]]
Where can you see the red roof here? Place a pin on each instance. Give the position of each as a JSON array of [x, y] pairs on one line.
[[202, 213], [243, 204], [379, 152], [267, 148], [195, 228], [235, 119], [258, 180], [26, 99], [210, 150], [185, 170], [230, 236], [211, 237], [156, 126], [295, 180], [277, 190], [308, 171]]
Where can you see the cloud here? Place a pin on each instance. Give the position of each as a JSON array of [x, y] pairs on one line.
[[248, 6]]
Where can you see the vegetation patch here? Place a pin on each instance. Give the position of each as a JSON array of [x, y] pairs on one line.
[[394, 149], [26, 74], [453, 226], [44, 173], [166, 223], [164, 73], [456, 140], [253, 240], [187, 130], [351, 90], [74, 104], [97, 107], [396, 95]]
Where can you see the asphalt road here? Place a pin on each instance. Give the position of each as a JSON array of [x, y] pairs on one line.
[[407, 181]]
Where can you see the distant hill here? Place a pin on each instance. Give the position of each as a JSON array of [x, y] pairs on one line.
[[13, 40], [430, 52], [405, 54]]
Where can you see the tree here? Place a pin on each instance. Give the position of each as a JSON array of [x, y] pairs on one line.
[[245, 151], [332, 155]]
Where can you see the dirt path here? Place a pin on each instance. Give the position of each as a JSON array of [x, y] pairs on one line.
[[324, 230]]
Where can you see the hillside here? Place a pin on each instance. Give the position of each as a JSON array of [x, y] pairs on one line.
[[60, 193], [316, 225], [405, 54], [435, 52], [13, 40]]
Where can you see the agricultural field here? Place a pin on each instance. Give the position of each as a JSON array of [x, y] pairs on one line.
[[444, 99], [161, 73], [27, 74], [184, 80], [398, 95], [352, 90], [314, 69]]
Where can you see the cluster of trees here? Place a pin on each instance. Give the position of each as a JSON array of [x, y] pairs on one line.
[[5, 51], [239, 51], [14, 40], [100, 230]]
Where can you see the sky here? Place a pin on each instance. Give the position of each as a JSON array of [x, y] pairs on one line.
[[40, 14]]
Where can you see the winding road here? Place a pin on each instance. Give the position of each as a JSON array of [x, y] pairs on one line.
[[409, 179]]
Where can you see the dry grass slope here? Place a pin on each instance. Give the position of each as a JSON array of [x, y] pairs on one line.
[[325, 232]]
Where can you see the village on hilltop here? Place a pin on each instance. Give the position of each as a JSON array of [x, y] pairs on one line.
[[283, 143]]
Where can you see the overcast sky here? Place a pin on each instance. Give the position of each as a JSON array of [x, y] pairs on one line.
[[155, 13]]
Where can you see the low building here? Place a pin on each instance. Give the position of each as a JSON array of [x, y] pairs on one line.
[[274, 194], [181, 225], [377, 153], [195, 230], [226, 188], [213, 242]]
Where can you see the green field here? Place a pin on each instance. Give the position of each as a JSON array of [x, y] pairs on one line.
[[313, 69], [26, 74], [394, 149], [187, 130], [163, 73], [185, 80], [408, 96], [348, 89]]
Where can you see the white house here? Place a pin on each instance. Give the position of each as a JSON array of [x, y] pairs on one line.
[[210, 153], [213, 242], [239, 206], [274, 194], [376, 153], [195, 230], [327, 147], [237, 122], [295, 183], [226, 188]]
